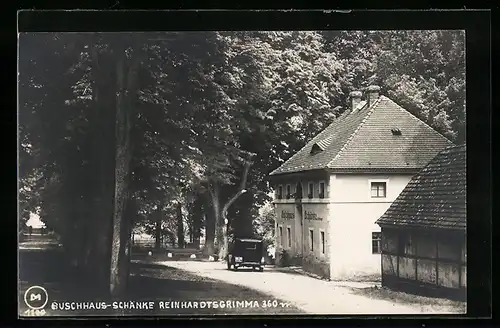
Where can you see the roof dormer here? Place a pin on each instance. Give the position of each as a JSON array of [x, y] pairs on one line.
[[396, 131], [316, 149]]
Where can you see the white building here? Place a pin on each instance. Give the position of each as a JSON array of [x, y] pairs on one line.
[[330, 193]]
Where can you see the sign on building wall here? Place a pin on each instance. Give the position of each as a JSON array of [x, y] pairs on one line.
[[308, 215], [287, 215]]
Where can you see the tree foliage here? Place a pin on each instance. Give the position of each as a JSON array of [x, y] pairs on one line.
[[193, 108]]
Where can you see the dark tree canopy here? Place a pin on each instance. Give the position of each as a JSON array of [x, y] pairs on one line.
[[194, 108]]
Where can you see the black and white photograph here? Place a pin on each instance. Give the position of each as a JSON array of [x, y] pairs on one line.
[[313, 172]]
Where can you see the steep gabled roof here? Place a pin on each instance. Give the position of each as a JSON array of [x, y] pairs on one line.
[[435, 197], [364, 140]]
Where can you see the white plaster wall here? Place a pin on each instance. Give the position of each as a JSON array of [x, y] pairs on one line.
[[321, 211], [352, 220], [355, 188], [285, 222], [300, 233]]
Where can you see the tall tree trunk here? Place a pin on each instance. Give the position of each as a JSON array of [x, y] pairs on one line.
[[98, 252], [158, 220], [100, 229], [215, 194], [223, 248], [124, 115], [126, 235], [209, 247], [246, 224], [243, 226], [190, 231], [196, 223], [180, 226], [223, 213]]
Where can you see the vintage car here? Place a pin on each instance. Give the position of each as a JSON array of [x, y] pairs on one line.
[[245, 252]]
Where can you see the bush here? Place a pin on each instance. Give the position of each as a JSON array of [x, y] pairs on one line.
[[284, 258]]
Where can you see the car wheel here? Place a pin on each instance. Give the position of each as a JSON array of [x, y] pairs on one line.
[[261, 269]]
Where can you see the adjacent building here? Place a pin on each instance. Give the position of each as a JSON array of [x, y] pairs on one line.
[[424, 244], [330, 193]]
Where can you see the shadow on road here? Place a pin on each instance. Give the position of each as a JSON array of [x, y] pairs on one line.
[[148, 282]]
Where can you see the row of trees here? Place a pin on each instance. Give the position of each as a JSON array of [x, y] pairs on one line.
[[118, 130]]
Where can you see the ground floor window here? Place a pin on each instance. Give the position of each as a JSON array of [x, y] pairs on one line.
[[376, 242], [280, 235], [311, 239], [322, 236], [406, 245], [289, 236]]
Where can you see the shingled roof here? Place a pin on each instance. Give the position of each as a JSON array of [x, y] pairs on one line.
[[435, 197], [363, 140]]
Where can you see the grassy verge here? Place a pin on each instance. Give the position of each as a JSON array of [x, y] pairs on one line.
[[429, 303]]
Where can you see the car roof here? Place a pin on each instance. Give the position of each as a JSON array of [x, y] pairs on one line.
[[249, 240]]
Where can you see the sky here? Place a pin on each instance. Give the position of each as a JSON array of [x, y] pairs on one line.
[[34, 221]]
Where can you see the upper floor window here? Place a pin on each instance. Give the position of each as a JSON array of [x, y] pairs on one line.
[[310, 190], [279, 194], [376, 242], [378, 189], [321, 190], [298, 191], [288, 191]]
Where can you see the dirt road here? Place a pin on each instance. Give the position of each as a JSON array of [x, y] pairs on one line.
[[308, 294]]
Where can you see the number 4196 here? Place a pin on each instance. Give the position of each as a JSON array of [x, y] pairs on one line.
[[34, 313]]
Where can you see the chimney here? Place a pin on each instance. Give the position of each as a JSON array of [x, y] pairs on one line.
[[372, 94], [355, 99]]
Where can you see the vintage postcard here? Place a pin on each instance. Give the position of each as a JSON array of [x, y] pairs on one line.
[[242, 173]]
